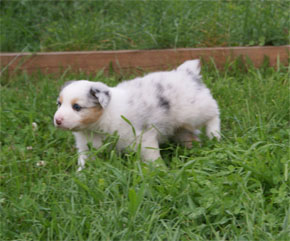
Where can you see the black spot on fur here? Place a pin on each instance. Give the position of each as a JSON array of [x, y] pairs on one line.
[[94, 91], [163, 102], [92, 95]]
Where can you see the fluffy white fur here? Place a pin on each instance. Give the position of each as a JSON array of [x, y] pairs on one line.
[[161, 105]]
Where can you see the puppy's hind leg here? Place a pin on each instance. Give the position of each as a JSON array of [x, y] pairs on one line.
[[213, 128], [186, 137]]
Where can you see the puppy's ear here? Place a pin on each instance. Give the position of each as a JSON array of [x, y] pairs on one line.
[[101, 96]]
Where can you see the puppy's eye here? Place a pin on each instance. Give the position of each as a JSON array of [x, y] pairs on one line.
[[76, 107], [58, 103]]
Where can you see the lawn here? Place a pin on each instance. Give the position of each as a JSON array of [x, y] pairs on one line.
[[235, 189], [109, 24]]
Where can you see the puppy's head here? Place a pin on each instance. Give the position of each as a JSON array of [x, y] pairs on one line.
[[81, 104]]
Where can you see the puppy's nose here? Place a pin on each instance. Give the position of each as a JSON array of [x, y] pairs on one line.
[[58, 121]]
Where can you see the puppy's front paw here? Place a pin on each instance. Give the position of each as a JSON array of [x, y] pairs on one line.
[[80, 168], [81, 161]]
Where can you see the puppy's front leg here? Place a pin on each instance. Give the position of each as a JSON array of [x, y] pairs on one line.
[[82, 141], [150, 146], [81, 161], [82, 146]]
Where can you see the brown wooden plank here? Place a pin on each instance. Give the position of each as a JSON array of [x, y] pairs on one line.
[[128, 60]]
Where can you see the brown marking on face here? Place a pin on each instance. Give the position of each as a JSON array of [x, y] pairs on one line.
[[91, 115], [74, 101], [60, 99]]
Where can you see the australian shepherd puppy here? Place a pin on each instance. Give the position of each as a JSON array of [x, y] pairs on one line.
[[144, 111]]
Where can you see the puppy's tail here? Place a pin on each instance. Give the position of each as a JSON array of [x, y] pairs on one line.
[[191, 67]]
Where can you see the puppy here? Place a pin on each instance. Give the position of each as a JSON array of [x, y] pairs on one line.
[[146, 111]]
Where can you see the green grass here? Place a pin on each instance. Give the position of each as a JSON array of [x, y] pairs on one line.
[[110, 24], [236, 189]]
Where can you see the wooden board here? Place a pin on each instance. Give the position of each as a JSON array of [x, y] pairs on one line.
[[134, 60]]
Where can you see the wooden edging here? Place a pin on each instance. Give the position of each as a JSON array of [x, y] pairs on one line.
[[132, 60]]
